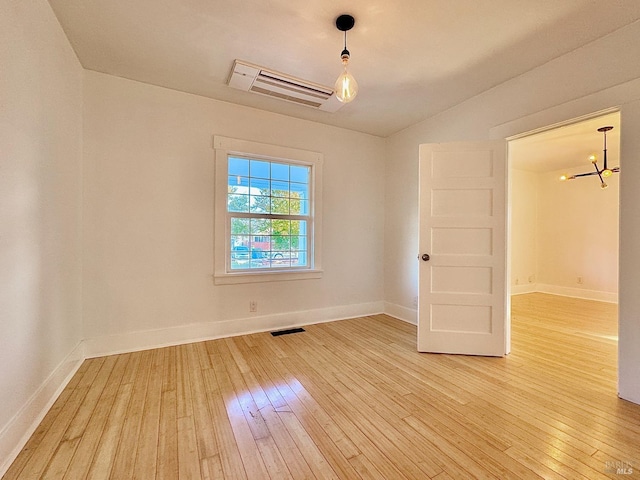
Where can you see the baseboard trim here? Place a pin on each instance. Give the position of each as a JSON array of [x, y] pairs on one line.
[[584, 294], [19, 429], [409, 315], [197, 332], [523, 289]]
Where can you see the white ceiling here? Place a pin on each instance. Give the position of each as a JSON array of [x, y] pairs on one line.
[[412, 58], [568, 146]]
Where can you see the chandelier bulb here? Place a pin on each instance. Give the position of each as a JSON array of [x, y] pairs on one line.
[[346, 87], [603, 185], [607, 173]]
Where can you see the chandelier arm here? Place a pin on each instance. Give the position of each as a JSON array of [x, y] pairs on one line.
[[599, 173], [588, 174]]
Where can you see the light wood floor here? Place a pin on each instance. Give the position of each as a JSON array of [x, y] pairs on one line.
[[351, 399]]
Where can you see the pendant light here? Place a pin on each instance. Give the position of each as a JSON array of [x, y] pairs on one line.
[[346, 87], [603, 173]]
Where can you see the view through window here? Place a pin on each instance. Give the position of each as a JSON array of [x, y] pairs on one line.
[[269, 214]]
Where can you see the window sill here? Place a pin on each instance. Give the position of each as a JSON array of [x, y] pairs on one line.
[[261, 277]]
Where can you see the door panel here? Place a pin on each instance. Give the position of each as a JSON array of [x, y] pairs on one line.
[[463, 229]]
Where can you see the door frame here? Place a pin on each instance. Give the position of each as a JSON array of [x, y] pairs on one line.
[[520, 129]]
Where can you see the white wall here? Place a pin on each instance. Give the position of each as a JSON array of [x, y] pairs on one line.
[[524, 230], [148, 219], [40, 215], [562, 89], [578, 236], [562, 231]]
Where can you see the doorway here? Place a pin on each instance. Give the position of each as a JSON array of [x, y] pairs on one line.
[[564, 235]]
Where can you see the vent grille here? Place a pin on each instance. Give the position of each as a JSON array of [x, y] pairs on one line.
[[287, 332], [252, 78]]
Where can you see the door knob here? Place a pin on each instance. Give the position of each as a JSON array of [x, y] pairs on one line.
[[425, 257]]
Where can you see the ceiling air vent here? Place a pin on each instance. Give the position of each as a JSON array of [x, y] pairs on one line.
[[252, 78]]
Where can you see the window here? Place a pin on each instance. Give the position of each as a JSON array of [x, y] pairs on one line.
[[267, 212]]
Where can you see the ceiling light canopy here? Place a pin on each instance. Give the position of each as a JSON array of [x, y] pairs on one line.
[[603, 173], [346, 87]]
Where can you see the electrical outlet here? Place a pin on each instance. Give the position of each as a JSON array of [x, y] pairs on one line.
[[532, 278], [415, 301], [517, 281], [253, 306], [580, 281]]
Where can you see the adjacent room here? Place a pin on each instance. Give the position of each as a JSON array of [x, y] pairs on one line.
[[180, 181]]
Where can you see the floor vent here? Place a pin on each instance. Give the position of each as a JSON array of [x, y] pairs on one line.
[[263, 81], [287, 332]]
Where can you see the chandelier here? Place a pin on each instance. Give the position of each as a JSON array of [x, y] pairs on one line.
[[603, 173]]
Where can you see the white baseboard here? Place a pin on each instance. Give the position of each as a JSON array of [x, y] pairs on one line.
[[17, 431], [578, 293], [197, 332], [523, 289], [409, 315]]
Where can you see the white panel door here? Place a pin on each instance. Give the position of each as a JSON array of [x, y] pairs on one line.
[[462, 306]]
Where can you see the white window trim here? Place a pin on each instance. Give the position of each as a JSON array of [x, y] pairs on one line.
[[225, 146]]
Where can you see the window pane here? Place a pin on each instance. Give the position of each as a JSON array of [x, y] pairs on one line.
[[281, 263], [301, 259], [299, 243], [280, 206], [298, 227], [239, 240], [303, 208], [281, 227], [299, 190], [280, 189], [299, 207], [280, 243], [259, 186], [299, 174], [238, 203], [259, 169], [239, 226], [238, 184], [260, 226], [280, 171], [260, 204], [238, 166]]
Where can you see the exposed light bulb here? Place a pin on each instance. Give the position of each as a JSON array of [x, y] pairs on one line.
[[346, 87], [563, 177], [607, 173], [593, 158], [603, 185]]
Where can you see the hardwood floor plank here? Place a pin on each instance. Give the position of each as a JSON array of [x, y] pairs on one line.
[[167, 460], [88, 444], [147, 452], [231, 460], [188, 458], [330, 439], [130, 437], [206, 439], [242, 436], [49, 443], [351, 400], [106, 452]]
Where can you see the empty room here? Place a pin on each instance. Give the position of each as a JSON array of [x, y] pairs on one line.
[[269, 240]]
